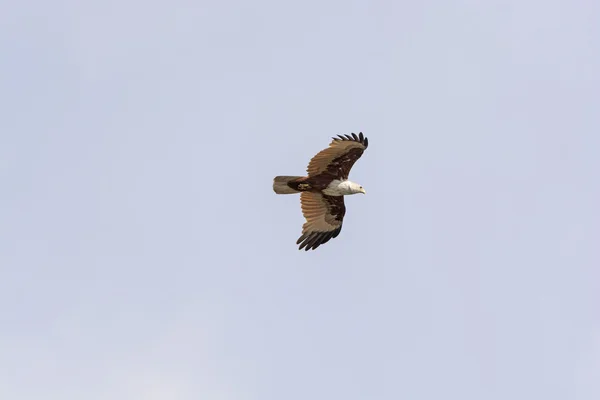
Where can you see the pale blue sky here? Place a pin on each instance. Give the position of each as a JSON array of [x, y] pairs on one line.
[[143, 254]]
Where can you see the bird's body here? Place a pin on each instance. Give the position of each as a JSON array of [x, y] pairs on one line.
[[322, 191]]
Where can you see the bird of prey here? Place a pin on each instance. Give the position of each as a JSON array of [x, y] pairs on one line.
[[322, 191]]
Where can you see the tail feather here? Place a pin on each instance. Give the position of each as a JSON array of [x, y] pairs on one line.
[[280, 184]]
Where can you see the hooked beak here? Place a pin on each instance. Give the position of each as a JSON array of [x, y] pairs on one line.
[[363, 191]]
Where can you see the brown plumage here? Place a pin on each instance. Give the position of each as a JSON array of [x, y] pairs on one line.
[[322, 191], [339, 157]]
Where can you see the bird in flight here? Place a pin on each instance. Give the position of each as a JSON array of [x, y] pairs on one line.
[[322, 191]]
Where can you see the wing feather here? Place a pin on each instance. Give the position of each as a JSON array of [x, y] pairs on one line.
[[324, 215], [339, 157]]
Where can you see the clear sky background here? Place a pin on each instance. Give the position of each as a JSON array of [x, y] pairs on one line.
[[143, 254]]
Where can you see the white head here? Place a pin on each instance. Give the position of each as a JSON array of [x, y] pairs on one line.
[[354, 188]]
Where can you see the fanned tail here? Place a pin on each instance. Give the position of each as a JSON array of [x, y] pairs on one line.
[[280, 184]]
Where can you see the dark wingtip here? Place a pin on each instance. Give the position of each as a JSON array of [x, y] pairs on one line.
[[307, 239], [327, 237], [336, 232], [361, 138], [301, 238], [315, 239]]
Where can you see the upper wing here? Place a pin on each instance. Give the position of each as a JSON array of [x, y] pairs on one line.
[[339, 157], [324, 215]]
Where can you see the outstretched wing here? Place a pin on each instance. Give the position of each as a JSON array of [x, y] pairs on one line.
[[324, 215], [339, 157]]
